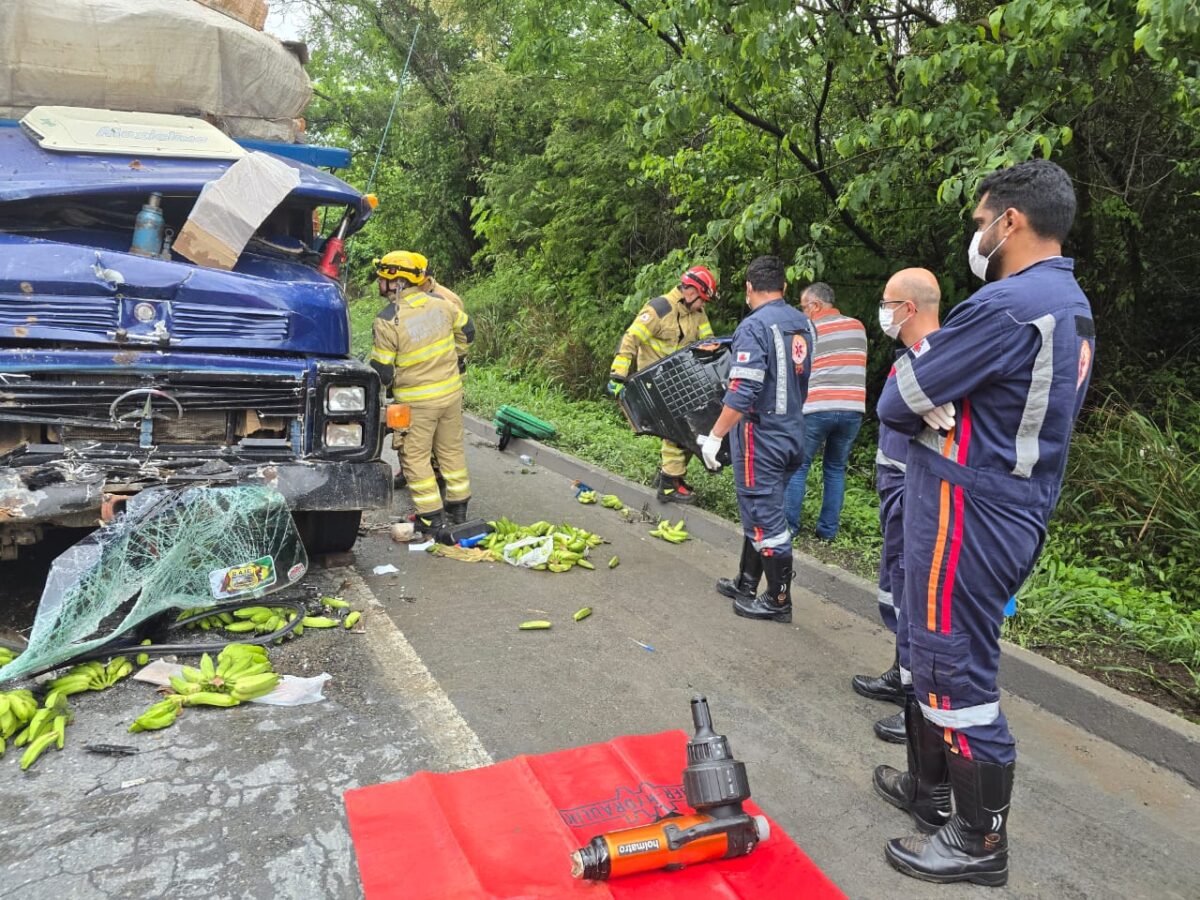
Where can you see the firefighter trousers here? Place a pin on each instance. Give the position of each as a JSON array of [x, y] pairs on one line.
[[674, 459], [971, 538], [436, 430]]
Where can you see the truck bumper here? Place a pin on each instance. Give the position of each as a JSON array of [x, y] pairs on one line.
[[57, 495]]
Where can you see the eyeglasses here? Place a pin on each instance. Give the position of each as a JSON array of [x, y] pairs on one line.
[[886, 302]]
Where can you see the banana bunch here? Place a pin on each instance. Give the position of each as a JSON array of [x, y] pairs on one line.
[[586, 497], [264, 620], [217, 620], [7, 656], [675, 534], [16, 709], [160, 715], [92, 676], [47, 726], [571, 544], [612, 501]]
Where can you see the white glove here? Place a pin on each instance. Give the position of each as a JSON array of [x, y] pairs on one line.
[[940, 418], [710, 446]]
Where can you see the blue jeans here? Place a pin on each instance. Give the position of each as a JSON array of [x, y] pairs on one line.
[[831, 434]]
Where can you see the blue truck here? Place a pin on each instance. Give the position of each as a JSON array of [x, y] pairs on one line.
[[120, 372]]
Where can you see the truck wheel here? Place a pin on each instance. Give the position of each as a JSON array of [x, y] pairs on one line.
[[328, 532]]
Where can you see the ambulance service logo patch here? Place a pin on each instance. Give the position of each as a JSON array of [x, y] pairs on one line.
[[920, 348], [799, 350], [743, 357]]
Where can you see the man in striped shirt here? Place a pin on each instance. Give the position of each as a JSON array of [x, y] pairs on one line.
[[833, 412]]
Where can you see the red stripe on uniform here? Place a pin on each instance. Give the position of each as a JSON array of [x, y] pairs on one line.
[[750, 454], [964, 435], [966, 748]]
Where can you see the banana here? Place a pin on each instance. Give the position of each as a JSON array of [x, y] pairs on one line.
[[318, 622], [160, 715], [584, 564], [249, 612], [60, 730], [534, 625], [582, 614], [335, 602], [209, 698], [614, 562], [183, 686], [192, 675], [35, 750], [244, 625], [143, 659], [254, 686], [352, 620]]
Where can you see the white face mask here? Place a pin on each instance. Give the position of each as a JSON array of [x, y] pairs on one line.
[[887, 322], [977, 261]]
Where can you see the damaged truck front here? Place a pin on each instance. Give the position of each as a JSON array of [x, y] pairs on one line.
[[121, 371]]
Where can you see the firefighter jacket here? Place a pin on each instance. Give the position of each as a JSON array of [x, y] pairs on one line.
[[430, 286], [414, 346], [663, 326]]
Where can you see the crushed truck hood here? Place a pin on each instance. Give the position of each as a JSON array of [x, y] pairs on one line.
[[83, 295]]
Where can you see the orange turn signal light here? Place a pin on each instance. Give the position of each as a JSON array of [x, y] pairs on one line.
[[399, 415]]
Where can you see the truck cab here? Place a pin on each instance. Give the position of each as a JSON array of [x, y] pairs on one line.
[[120, 371]]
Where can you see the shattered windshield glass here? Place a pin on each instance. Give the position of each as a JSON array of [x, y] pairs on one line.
[[169, 549]]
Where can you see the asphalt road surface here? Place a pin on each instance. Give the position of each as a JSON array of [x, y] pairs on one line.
[[247, 802]]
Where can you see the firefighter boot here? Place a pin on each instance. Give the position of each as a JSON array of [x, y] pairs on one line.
[[973, 845], [924, 790], [891, 729], [776, 601], [671, 489], [456, 511], [430, 523], [745, 586], [886, 687]]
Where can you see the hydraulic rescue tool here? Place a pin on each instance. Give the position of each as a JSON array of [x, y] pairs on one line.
[[715, 785]]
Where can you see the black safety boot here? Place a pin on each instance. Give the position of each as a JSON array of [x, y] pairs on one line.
[[398, 480], [456, 511], [891, 729], [776, 601], [745, 586], [973, 845], [430, 523], [886, 687], [671, 489], [924, 790]]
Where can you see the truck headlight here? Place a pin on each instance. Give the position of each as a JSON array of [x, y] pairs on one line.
[[344, 398], [343, 435]]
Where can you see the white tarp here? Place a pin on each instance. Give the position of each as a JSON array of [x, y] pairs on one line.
[[165, 56]]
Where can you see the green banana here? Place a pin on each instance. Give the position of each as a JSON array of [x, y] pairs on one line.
[[582, 614], [35, 750], [534, 625], [352, 619], [614, 562], [318, 622], [244, 625], [209, 698], [254, 686], [160, 715], [335, 602]]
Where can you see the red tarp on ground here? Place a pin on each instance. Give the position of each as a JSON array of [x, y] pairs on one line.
[[507, 830]]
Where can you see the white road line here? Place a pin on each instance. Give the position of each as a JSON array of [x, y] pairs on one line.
[[413, 685]]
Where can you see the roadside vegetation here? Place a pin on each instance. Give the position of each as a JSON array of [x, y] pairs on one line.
[[561, 162]]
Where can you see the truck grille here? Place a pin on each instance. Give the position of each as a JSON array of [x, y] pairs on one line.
[[98, 314], [193, 320], [83, 402]]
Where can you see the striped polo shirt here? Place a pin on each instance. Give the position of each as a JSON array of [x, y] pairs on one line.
[[839, 369]]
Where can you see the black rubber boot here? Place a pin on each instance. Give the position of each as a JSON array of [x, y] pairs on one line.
[[924, 790], [886, 687], [456, 511], [750, 569], [430, 523], [776, 601], [973, 845], [671, 489], [891, 729]]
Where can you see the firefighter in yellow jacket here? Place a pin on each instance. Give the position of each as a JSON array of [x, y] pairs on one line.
[[414, 341], [667, 324]]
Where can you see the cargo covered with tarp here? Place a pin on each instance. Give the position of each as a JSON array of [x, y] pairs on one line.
[[159, 56]]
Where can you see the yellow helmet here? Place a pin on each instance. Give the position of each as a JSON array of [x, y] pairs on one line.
[[401, 264]]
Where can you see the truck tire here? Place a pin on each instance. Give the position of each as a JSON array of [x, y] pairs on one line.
[[328, 532]]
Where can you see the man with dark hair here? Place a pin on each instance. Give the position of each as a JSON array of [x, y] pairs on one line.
[[991, 399], [833, 412], [764, 416]]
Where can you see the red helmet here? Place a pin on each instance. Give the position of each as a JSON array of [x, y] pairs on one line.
[[700, 278]]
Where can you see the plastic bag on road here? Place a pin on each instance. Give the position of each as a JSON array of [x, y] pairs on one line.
[[542, 547]]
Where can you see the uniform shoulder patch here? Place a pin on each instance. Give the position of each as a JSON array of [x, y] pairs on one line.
[[387, 313], [920, 348], [660, 305]]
